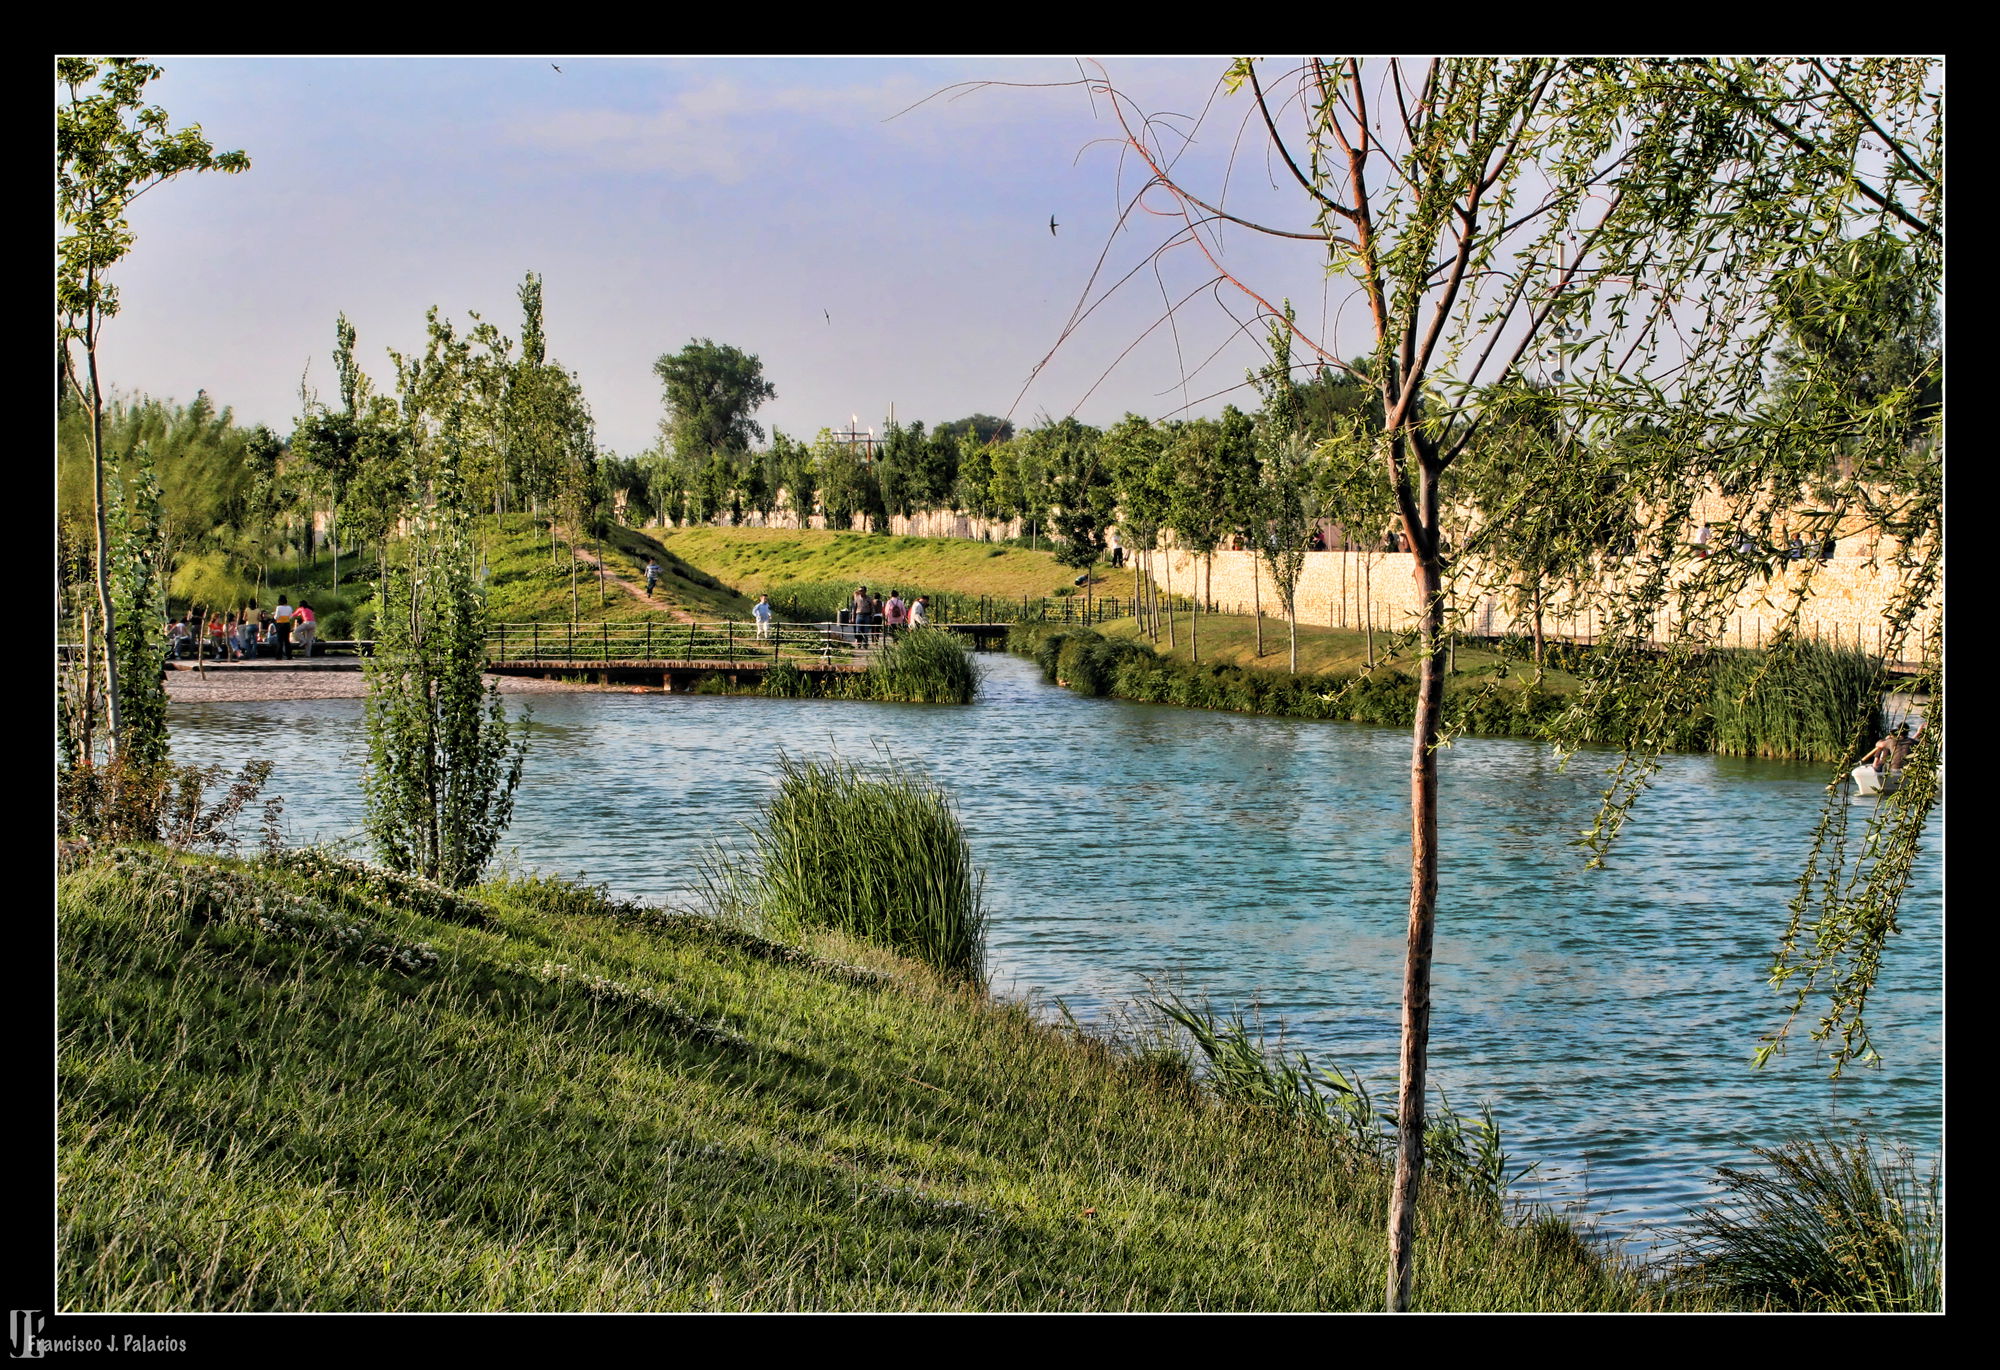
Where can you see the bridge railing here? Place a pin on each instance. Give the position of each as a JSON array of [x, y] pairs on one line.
[[721, 640]]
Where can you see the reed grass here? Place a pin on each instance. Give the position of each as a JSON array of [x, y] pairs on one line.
[[876, 854], [1801, 701], [922, 666], [1831, 1226]]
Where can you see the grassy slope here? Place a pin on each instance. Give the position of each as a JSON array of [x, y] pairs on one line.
[[527, 587], [1231, 639], [578, 1108], [759, 559]]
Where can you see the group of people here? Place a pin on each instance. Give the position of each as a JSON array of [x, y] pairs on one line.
[[255, 632], [893, 615], [1795, 549]]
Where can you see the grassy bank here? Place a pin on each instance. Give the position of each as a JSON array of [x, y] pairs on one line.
[[1484, 699], [307, 1086], [1805, 702], [777, 560]]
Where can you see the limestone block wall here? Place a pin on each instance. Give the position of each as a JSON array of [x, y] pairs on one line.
[[1844, 600], [929, 523]]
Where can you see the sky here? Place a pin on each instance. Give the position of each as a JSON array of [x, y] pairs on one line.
[[879, 258]]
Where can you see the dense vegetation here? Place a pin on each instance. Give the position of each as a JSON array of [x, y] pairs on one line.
[[1804, 702]]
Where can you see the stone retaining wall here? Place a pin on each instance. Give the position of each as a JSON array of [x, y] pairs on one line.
[[1844, 599]]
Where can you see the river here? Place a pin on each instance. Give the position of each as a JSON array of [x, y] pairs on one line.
[[1608, 1015]]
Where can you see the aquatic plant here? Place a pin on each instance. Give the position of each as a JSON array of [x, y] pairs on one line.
[[878, 854], [1830, 1226], [1800, 701], [923, 666]]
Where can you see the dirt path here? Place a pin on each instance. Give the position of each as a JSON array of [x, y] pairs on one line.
[[636, 590]]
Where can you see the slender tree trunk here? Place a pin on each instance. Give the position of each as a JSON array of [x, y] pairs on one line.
[[1423, 916], [1171, 644], [1292, 613], [1257, 601], [113, 720], [1368, 605]]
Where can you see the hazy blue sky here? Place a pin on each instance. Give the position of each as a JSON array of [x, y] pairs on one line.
[[662, 200]]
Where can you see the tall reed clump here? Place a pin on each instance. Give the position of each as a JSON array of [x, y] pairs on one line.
[[877, 854], [1830, 1227], [1800, 701], [1460, 1153], [923, 666]]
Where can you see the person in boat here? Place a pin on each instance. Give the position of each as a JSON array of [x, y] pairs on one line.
[[1891, 752]]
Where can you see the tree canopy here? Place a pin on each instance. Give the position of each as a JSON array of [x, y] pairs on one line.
[[712, 389]]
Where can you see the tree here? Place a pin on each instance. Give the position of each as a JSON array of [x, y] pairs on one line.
[[443, 761], [1081, 495], [1473, 208], [111, 148], [712, 389]]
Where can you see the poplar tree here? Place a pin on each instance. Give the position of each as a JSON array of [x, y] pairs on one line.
[[111, 148]]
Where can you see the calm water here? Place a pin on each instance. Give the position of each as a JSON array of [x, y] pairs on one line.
[[1608, 1015]]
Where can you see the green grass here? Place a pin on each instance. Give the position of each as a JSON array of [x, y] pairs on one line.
[[1827, 1226], [526, 586], [759, 560], [1802, 701], [285, 1087], [877, 854]]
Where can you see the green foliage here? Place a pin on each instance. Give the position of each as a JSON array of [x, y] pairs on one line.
[[443, 761], [139, 612], [712, 389], [878, 855], [1801, 701], [1830, 1226], [923, 666]]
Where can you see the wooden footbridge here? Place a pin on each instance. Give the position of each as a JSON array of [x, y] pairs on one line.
[[678, 656]]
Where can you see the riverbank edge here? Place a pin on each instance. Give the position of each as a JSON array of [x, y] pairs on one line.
[[253, 1111], [1111, 665]]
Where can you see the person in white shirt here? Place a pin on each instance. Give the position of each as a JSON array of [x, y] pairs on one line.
[[761, 611]]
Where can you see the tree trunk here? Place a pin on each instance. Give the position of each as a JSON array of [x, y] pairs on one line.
[[1422, 930], [1171, 644], [1292, 613], [1257, 601], [113, 720]]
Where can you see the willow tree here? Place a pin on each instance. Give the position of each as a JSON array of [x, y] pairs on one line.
[[1631, 222]]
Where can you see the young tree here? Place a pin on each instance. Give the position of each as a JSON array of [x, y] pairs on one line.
[[111, 148], [1082, 498], [1471, 208], [443, 761]]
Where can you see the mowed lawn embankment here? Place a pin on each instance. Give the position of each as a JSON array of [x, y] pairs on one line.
[[302, 1085], [760, 560]]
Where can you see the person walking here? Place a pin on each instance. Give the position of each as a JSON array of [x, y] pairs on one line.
[[652, 576], [919, 612], [892, 612], [761, 611]]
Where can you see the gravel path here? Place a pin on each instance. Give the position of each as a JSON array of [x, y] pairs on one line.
[[256, 685]]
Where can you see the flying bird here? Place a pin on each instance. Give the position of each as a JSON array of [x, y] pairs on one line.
[[1052, 225], [558, 69], [829, 317]]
